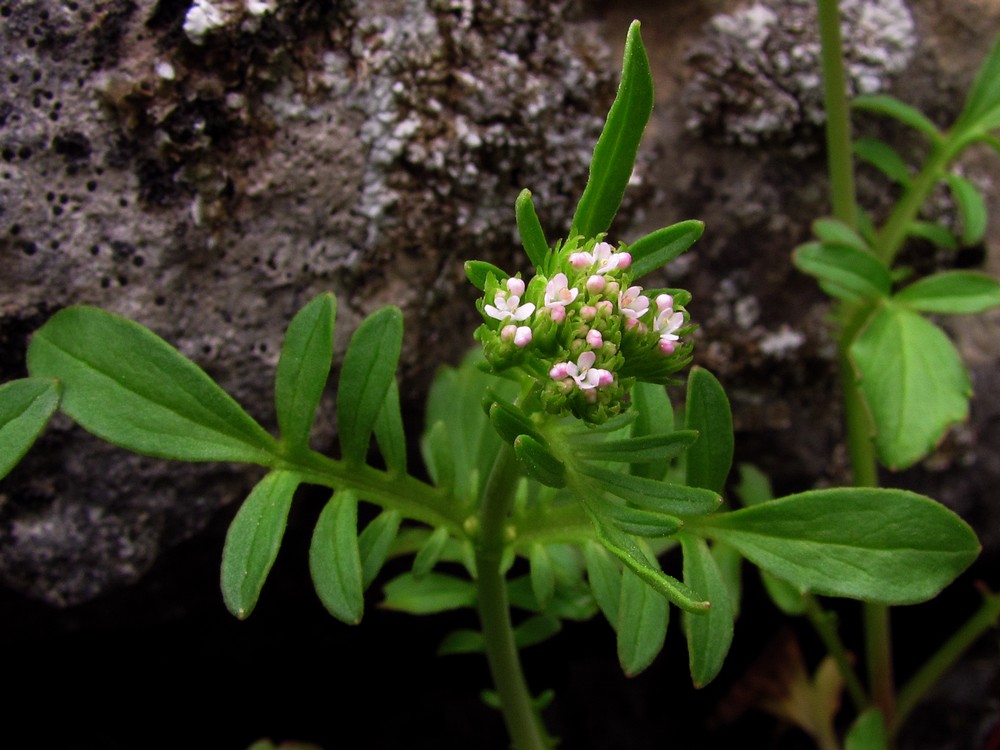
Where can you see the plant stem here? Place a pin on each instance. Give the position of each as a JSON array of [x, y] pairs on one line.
[[823, 622], [840, 159], [932, 670], [494, 612], [863, 462]]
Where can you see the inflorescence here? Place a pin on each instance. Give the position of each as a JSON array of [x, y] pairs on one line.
[[583, 331]]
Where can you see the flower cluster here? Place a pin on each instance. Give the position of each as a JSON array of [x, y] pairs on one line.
[[582, 330]]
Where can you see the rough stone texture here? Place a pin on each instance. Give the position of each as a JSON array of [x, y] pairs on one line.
[[758, 78], [206, 169]]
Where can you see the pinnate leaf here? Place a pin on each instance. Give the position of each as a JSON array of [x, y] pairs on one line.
[[708, 635], [662, 246], [707, 413], [614, 155], [368, 371], [335, 559], [303, 369], [880, 545], [253, 540], [955, 292], [25, 408], [128, 386], [643, 617]]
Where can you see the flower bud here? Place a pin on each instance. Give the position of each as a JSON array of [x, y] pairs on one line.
[[594, 338], [522, 336], [596, 284], [515, 286]]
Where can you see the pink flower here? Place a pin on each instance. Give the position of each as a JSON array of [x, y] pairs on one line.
[[506, 307], [558, 294], [632, 303]]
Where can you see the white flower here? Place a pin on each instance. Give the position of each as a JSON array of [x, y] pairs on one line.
[[558, 293], [666, 323], [506, 307], [585, 374], [632, 303]]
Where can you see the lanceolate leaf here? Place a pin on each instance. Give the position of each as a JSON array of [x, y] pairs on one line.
[[912, 380], [650, 494], [528, 226], [982, 106], [643, 616], [708, 635], [604, 577], [836, 232], [128, 386], [435, 592], [647, 449], [879, 545], [637, 560], [662, 246], [430, 553], [478, 271], [903, 112], [884, 158], [335, 561], [844, 271], [614, 156], [25, 408], [303, 369], [389, 432], [707, 412], [253, 540], [543, 577], [655, 417], [375, 542], [955, 292], [938, 234], [369, 368], [971, 206]]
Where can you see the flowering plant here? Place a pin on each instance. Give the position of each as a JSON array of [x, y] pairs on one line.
[[556, 445]]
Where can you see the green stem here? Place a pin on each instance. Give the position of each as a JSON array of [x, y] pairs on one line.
[[840, 159], [824, 624], [494, 611], [893, 233], [946, 656]]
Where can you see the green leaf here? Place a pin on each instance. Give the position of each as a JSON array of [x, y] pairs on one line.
[[655, 417], [971, 207], [730, 564], [389, 432], [303, 369], [955, 292], [644, 523], [478, 271], [785, 596], [844, 271], [369, 369], [754, 486], [614, 155], [662, 246], [375, 542], [647, 449], [636, 559], [906, 114], [663, 497], [128, 386], [884, 158], [539, 463], [253, 540], [708, 635], [532, 631], [25, 408], [707, 412], [880, 545], [438, 455], [982, 105], [430, 553], [532, 235], [643, 617], [543, 577], [510, 422], [605, 579], [935, 233], [335, 559], [867, 732], [836, 232], [435, 592], [913, 383]]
